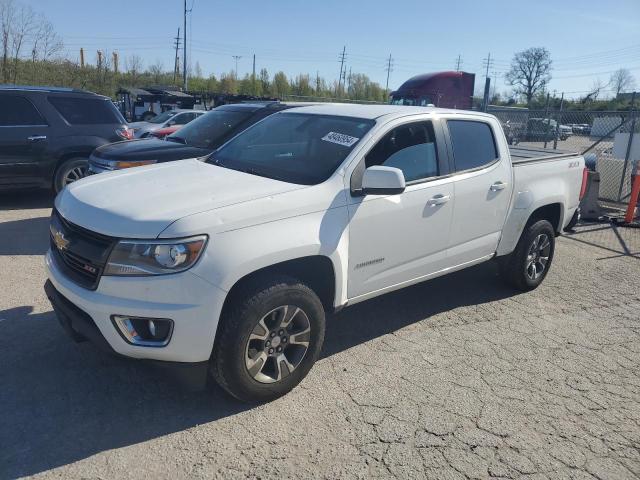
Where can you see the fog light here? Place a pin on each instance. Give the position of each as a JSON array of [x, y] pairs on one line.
[[145, 332]]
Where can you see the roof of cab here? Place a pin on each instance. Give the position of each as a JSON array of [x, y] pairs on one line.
[[373, 111]]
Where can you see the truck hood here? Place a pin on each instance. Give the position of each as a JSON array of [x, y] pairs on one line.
[[153, 149], [141, 202]]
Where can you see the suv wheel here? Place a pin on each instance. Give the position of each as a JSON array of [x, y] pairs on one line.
[[268, 340], [529, 263], [70, 171]]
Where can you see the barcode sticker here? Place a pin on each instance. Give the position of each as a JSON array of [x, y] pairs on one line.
[[340, 139]]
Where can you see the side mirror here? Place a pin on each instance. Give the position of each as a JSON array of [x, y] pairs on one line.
[[378, 180], [171, 123]]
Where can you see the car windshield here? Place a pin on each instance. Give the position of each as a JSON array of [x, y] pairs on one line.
[[163, 117], [208, 130], [293, 147]]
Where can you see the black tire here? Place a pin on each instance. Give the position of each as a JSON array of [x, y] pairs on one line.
[[69, 171], [517, 269], [234, 349]]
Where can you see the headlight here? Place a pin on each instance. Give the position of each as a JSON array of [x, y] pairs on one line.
[[119, 165], [154, 257]]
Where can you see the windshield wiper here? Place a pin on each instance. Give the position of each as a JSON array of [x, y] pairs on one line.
[[171, 138]]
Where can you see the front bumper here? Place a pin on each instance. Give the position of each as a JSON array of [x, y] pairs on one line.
[[192, 303], [81, 327]]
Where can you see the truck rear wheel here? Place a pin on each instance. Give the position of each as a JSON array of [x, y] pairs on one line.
[[527, 266], [268, 339]]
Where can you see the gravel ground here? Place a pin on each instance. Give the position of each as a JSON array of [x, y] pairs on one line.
[[455, 378]]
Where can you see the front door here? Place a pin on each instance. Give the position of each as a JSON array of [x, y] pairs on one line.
[[23, 140], [398, 238]]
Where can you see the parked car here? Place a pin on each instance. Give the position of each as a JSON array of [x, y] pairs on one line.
[[545, 130], [162, 133], [165, 119], [195, 140], [228, 265], [48, 134]]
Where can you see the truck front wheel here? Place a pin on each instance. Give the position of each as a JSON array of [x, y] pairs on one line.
[[529, 263], [268, 339]]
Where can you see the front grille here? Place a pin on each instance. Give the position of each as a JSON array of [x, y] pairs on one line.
[[84, 253]]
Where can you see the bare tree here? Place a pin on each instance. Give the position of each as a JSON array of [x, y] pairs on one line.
[[157, 70], [24, 25], [7, 15], [596, 89], [133, 65], [46, 42], [622, 81], [530, 72]]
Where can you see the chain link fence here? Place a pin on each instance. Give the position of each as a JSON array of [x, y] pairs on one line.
[[606, 138]]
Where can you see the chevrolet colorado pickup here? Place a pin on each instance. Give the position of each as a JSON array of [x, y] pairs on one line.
[[228, 266]]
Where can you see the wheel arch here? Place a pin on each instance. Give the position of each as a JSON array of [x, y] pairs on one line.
[[316, 271]]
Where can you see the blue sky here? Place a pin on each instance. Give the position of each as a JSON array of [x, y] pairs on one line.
[[587, 38]]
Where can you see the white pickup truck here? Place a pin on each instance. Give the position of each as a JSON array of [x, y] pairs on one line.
[[227, 265]]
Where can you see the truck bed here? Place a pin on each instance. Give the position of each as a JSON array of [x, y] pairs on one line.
[[521, 155]]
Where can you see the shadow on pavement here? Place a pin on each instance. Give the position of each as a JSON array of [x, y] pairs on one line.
[[26, 199], [28, 236], [61, 402]]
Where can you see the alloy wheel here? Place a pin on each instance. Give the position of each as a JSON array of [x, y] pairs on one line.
[[76, 173], [277, 344], [538, 256]]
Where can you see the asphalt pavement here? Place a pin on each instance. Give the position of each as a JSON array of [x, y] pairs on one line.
[[459, 377]]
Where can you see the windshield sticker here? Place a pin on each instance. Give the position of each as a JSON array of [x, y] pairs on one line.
[[340, 139]]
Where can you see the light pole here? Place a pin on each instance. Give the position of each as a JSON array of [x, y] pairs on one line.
[[237, 57]]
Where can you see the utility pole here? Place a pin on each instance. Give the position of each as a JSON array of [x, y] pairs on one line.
[[184, 50], [342, 57], [99, 60], [317, 82], [115, 62], [237, 57], [253, 76], [82, 58], [176, 63], [487, 82], [458, 62], [388, 69]]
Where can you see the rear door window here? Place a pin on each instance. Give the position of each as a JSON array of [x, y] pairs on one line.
[[473, 144], [18, 111], [86, 111]]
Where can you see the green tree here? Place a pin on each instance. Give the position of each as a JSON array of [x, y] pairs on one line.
[[228, 83], [280, 87]]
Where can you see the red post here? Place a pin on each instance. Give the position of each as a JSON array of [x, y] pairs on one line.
[[635, 194]]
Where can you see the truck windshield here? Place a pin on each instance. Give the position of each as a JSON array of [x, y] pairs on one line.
[[163, 117], [208, 130], [293, 147]]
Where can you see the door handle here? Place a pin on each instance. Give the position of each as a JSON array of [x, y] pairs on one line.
[[438, 200], [498, 186], [35, 138]]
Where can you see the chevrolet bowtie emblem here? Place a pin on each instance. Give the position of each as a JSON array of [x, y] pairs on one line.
[[59, 240]]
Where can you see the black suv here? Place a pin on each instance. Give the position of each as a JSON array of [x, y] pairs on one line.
[[47, 134], [197, 139]]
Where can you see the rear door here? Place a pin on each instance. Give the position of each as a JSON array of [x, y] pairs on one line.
[[23, 139], [482, 188]]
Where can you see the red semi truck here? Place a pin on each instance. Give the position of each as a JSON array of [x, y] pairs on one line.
[[440, 89]]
